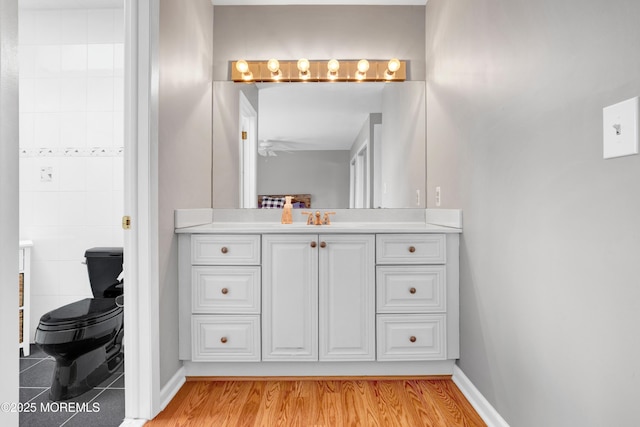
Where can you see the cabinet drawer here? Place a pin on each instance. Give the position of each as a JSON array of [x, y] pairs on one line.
[[410, 249], [411, 337], [218, 289], [225, 249], [411, 289], [226, 338]]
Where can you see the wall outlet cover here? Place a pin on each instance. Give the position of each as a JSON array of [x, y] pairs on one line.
[[620, 129]]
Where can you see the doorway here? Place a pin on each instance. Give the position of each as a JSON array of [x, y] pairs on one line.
[[71, 184]]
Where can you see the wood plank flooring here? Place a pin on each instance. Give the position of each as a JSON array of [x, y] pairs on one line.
[[315, 402]]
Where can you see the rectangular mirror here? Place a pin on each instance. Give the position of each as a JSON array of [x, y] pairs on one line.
[[347, 145]]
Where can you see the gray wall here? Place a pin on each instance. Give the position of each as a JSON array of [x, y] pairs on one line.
[[184, 151], [323, 174], [550, 278], [318, 32]]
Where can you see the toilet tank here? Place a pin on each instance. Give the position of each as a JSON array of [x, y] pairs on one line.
[[103, 265]]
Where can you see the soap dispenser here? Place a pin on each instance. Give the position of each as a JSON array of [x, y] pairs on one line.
[[287, 217]]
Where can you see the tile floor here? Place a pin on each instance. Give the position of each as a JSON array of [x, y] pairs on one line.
[[105, 402]]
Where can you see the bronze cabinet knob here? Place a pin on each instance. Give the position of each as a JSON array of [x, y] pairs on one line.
[[225, 291], [412, 249], [412, 339], [314, 244], [223, 340], [224, 250], [323, 244], [412, 290]]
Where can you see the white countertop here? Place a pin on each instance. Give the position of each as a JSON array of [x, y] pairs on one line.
[[302, 228], [345, 221]]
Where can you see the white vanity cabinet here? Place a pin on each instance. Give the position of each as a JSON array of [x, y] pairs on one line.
[[290, 297], [367, 299], [225, 298], [318, 297], [411, 297]]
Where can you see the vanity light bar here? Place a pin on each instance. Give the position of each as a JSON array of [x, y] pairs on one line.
[[332, 70]]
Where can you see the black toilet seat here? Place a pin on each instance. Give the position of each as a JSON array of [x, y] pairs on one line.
[[80, 314]]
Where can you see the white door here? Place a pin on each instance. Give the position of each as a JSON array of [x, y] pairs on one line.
[[347, 297], [290, 297], [248, 137]]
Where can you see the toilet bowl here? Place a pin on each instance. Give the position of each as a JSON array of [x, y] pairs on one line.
[[85, 337]]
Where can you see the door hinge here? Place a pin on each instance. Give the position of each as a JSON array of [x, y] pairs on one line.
[[244, 135], [126, 222]]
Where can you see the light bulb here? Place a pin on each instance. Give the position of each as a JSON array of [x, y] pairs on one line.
[[303, 65], [273, 65], [242, 66], [363, 66], [394, 65], [333, 66]]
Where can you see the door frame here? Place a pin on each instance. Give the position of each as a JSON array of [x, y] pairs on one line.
[[9, 209], [248, 143], [141, 271]]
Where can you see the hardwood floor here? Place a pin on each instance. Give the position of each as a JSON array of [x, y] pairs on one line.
[[316, 402]]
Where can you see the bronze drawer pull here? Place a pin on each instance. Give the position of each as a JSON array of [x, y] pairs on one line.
[[224, 250], [412, 249], [323, 244], [225, 291], [314, 244], [223, 340], [412, 290], [412, 339]]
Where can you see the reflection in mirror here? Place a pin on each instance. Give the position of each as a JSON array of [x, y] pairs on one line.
[[358, 145]]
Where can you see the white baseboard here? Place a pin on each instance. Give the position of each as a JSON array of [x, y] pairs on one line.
[[130, 422], [482, 406], [172, 387]]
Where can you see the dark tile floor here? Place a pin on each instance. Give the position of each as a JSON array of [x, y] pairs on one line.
[[104, 404]]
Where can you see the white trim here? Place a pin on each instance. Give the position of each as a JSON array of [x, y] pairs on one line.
[[9, 208], [482, 406], [130, 422], [142, 379], [172, 387]]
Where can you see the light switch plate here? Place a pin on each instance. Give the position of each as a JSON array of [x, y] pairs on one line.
[[620, 129]]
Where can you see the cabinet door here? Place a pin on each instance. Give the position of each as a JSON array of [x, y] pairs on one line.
[[347, 297], [290, 297]]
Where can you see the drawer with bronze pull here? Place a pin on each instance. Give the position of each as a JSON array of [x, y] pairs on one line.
[[411, 337], [411, 289], [225, 290], [222, 249], [226, 338], [410, 249]]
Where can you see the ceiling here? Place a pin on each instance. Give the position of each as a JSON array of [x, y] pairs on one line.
[[315, 116]]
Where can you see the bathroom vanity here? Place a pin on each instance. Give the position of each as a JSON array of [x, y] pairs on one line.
[[374, 293]]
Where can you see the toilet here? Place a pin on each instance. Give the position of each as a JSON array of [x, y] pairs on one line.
[[85, 337]]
